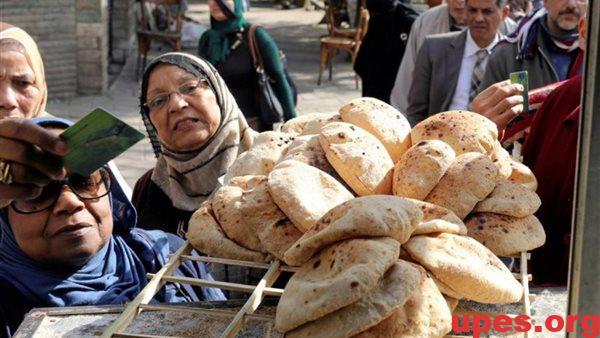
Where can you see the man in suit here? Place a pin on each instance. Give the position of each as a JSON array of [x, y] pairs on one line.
[[450, 66]]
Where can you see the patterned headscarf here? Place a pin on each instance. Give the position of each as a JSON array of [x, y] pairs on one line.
[[34, 59], [189, 178]]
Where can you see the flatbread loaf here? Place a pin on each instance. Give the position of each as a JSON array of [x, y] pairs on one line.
[[315, 125], [244, 206], [278, 237], [510, 199], [506, 235], [337, 277], [305, 193], [420, 169], [368, 216], [307, 149], [206, 236], [521, 174], [358, 157], [501, 159], [464, 131], [383, 121], [470, 178], [295, 126], [467, 267], [437, 219], [399, 284], [266, 151]]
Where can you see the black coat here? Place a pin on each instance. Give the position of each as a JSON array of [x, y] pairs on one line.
[[383, 47]]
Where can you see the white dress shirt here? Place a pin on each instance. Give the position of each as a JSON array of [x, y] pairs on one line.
[[460, 100]]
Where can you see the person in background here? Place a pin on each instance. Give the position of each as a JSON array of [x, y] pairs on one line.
[[519, 9], [545, 45], [445, 18], [382, 48], [226, 46], [450, 66]]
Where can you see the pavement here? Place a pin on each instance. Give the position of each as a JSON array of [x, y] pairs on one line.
[[296, 32]]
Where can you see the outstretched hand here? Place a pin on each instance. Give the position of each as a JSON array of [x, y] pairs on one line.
[[500, 102]]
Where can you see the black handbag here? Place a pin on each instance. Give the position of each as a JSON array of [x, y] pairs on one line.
[[271, 110]]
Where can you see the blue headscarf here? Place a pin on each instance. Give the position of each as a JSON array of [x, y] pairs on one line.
[[114, 275]]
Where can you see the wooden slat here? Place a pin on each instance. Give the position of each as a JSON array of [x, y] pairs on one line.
[[139, 335], [208, 259], [146, 295], [520, 276], [253, 301], [527, 255], [525, 282], [207, 311], [217, 284]]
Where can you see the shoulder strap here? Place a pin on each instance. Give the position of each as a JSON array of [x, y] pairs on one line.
[[254, 50]]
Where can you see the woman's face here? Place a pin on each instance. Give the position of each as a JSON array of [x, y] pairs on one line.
[[19, 96], [189, 116], [216, 12]]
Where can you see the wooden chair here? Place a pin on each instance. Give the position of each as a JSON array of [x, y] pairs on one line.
[[332, 23], [148, 31], [331, 44]]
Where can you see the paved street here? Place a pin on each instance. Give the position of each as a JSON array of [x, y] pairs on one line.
[[296, 32]]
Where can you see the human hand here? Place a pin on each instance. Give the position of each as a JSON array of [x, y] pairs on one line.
[[32, 153], [500, 102]]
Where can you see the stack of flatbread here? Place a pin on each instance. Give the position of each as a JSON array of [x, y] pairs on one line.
[[389, 225]]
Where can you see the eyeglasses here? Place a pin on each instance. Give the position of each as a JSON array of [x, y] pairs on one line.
[[92, 187], [194, 88]]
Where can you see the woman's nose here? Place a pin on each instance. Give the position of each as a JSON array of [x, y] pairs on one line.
[[68, 202], [8, 99], [177, 102]]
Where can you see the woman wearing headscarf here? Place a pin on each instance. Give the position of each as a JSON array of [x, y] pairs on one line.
[[77, 244], [197, 132], [28, 153], [226, 46]]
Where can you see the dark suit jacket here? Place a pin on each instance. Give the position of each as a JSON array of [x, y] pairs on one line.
[[435, 76]]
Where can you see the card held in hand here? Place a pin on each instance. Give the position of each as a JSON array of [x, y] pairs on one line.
[[523, 79], [95, 140]]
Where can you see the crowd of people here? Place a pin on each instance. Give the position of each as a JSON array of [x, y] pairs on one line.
[[70, 240]]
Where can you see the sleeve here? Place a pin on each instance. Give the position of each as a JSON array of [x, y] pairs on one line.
[[399, 94], [274, 68], [418, 98], [496, 69], [13, 309]]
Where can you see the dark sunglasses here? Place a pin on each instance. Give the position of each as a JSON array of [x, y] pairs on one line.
[[90, 187]]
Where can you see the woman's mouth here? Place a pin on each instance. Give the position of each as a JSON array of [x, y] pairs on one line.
[[75, 230], [186, 124]]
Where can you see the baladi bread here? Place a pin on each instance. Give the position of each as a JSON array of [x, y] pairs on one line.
[[452, 303], [438, 219], [315, 125], [469, 180], [368, 216], [420, 169], [295, 126], [399, 284], [510, 199], [305, 193], [444, 288], [358, 157], [467, 267], [383, 121], [266, 151], [501, 159], [426, 314], [464, 131], [337, 277], [506, 235], [244, 206], [522, 175], [206, 236], [308, 150], [278, 237]]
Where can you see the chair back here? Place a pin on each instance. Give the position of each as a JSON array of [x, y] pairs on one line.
[[147, 18], [362, 27]]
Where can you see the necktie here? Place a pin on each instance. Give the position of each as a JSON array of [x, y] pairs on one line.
[[478, 72]]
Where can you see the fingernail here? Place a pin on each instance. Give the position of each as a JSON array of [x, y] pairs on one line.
[[61, 147]]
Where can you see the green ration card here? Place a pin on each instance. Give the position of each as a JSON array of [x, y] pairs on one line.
[[523, 79], [96, 139]]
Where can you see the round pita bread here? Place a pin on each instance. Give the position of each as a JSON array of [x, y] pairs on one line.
[[308, 150], [206, 236], [368, 216], [437, 219], [266, 151], [337, 277], [501, 159], [510, 199], [506, 235], [399, 284], [521, 174], [305, 193], [469, 180], [425, 314], [420, 169], [244, 206], [278, 237], [315, 125], [464, 131], [383, 121], [296, 125], [358, 157], [467, 267], [444, 288]]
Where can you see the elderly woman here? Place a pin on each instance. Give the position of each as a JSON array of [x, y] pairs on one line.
[[76, 244], [197, 132]]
